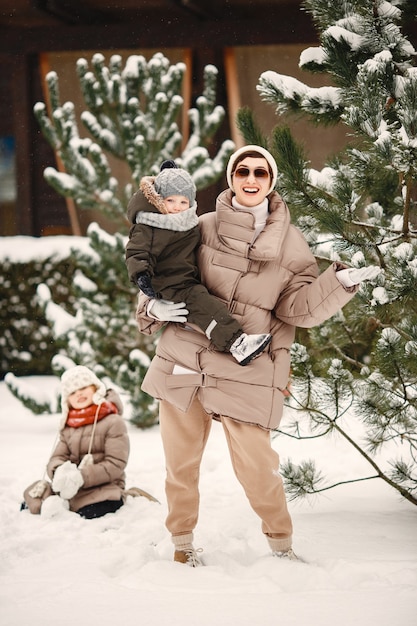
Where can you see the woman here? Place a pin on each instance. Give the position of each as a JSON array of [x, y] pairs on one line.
[[255, 261]]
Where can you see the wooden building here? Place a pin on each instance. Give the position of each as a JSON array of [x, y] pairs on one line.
[[242, 38]]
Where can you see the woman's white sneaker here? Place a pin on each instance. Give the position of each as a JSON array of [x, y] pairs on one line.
[[287, 554]]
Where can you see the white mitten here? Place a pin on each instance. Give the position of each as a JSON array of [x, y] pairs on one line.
[[59, 475], [38, 489], [53, 506], [352, 276], [167, 311], [88, 459], [67, 480]]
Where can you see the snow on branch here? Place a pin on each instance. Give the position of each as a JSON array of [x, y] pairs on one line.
[[288, 93]]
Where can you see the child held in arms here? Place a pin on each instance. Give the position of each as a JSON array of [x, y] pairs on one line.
[[161, 261]]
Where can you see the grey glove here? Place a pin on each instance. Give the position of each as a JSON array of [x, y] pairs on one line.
[[144, 283], [167, 311], [353, 276]]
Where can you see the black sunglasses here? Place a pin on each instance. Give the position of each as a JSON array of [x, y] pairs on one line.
[[243, 172]]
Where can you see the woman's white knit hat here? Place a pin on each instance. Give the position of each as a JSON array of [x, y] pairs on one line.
[[252, 148], [76, 378]]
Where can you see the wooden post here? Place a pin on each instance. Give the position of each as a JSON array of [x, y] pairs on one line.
[[186, 96], [71, 207], [233, 94]]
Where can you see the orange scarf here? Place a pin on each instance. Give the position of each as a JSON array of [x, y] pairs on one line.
[[82, 417]]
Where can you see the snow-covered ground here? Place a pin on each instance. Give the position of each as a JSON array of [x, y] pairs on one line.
[[360, 542]]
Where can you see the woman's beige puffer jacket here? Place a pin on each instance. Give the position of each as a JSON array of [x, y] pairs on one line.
[[105, 478], [269, 286]]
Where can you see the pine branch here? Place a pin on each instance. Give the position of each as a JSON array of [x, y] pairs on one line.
[[333, 485], [357, 364], [249, 129], [404, 492], [379, 473]]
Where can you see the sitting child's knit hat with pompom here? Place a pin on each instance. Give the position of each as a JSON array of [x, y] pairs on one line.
[[76, 378]]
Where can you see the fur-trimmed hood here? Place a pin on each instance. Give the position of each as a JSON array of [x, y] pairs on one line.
[[147, 200], [147, 207], [147, 187]]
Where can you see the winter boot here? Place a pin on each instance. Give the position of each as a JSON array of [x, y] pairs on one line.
[[189, 556], [247, 347]]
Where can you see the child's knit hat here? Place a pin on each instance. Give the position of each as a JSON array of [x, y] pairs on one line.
[[174, 181], [78, 377]]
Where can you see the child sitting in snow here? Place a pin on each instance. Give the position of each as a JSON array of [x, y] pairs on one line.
[[87, 467], [161, 261]]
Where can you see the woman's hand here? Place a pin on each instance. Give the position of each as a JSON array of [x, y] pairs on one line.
[[167, 311], [352, 276]]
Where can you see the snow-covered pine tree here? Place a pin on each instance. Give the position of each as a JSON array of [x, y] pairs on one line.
[[360, 209], [131, 114]]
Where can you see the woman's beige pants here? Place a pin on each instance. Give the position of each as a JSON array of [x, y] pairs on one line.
[[184, 436]]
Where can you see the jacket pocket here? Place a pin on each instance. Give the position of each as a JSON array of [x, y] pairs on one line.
[[178, 389], [282, 364], [182, 345]]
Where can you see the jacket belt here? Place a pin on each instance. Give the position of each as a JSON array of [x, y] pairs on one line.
[[190, 380]]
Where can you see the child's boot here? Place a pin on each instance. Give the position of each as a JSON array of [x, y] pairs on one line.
[[247, 347]]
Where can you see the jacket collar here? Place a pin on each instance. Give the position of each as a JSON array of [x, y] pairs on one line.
[[236, 228]]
